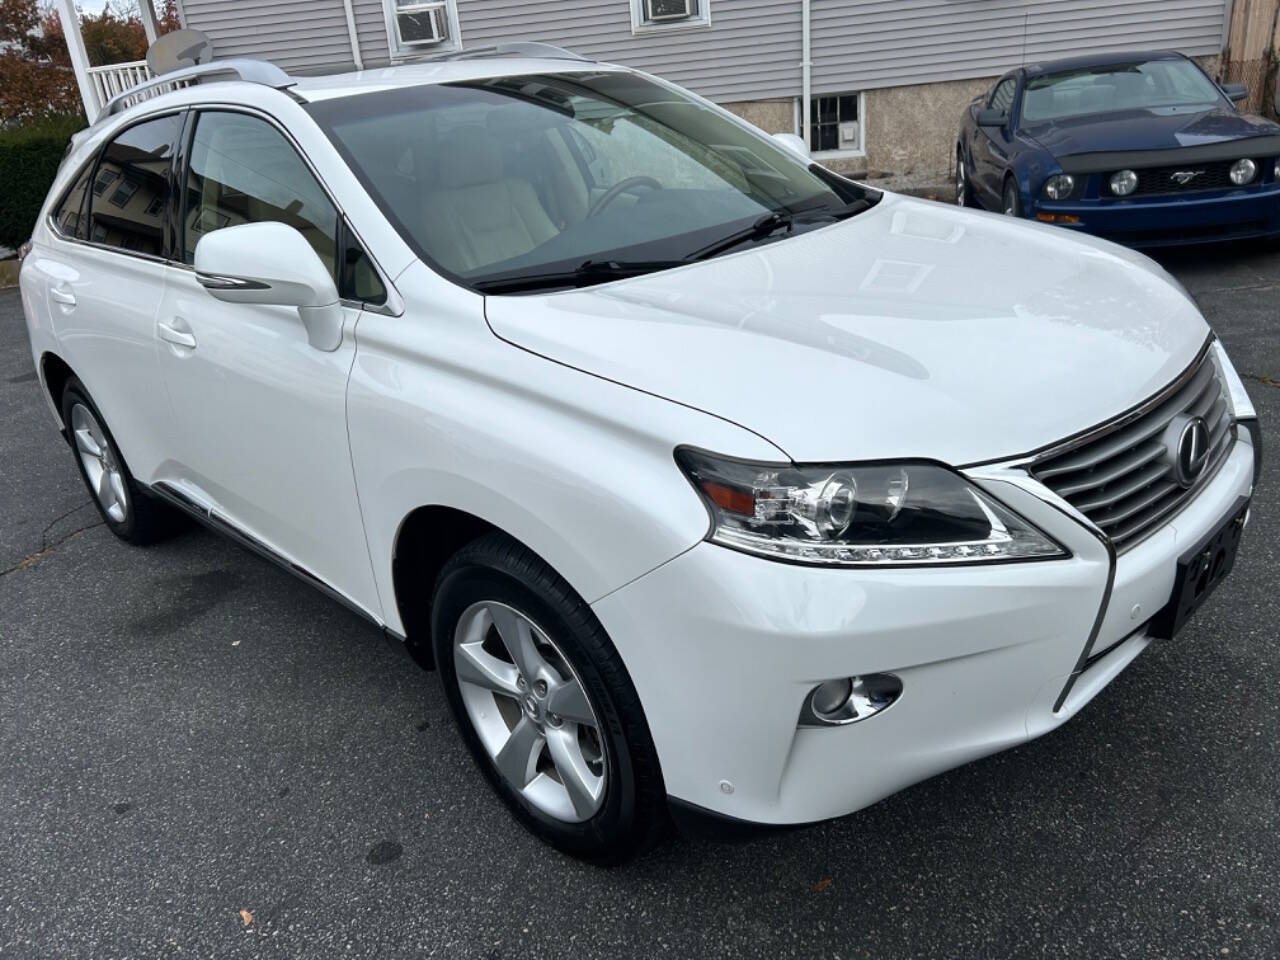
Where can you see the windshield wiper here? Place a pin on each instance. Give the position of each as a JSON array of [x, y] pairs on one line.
[[777, 220], [833, 213], [584, 275], [770, 223]]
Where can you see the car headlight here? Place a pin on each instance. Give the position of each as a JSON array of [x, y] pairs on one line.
[[1124, 183], [1241, 406], [1243, 171], [1059, 186], [884, 515]]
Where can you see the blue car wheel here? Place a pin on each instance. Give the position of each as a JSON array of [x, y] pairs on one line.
[[1012, 202]]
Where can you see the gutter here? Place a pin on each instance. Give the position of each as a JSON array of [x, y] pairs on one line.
[[806, 72]]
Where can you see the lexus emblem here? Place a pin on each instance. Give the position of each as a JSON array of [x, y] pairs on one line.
[[1186, 448], [1183, 177]]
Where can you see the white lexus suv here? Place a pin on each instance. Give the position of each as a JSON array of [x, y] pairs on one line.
[[717, 487]]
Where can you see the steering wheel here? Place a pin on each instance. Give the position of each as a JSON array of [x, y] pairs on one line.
[[618, 189]]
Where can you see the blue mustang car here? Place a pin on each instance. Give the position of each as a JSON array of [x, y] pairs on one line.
[[1144, 149]]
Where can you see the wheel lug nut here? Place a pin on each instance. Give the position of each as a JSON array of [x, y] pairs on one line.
[[521, 682], [540, 688], [554, 719]]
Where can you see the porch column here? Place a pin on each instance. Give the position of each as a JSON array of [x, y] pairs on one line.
[[147, 11], [79, 59]]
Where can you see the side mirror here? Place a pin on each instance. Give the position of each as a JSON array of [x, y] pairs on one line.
[[992, 118], [1235, 92], [272, 263], [793, 143]]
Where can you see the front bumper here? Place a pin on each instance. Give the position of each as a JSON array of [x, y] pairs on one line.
[[1158, 221], [723, 648]]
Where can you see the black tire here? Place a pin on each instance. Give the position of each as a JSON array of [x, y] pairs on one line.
[[146, 519], [964, 190], [1011, 199], [633, 814]]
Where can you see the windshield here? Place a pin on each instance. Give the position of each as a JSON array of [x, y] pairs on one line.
[[515, 176], [1175, 84]]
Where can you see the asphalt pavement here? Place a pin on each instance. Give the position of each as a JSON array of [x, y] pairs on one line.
[[201, 756]]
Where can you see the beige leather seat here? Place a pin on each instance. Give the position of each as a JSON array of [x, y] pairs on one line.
[[253, 175], [477, 216]]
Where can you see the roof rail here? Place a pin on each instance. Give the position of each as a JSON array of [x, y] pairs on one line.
[[517, 48], [250, 71]]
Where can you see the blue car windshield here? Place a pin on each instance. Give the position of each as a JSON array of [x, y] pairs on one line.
[[1116, 87]]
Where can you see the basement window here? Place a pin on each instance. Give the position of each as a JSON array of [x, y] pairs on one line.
[[421, 27], [835, 124], [655, 15]]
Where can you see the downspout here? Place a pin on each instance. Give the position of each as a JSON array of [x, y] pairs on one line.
[[351, 32], [806, 72]]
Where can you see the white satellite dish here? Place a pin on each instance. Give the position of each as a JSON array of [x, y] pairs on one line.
[[181, 48]]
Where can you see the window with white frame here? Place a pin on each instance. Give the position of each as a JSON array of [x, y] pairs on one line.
[[647, 15], [835, 123], [419, 27]]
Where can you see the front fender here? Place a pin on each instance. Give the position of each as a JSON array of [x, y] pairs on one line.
[[1031, 165], [579, 469]]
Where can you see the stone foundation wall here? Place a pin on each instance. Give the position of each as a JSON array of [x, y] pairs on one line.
[[771, 116]]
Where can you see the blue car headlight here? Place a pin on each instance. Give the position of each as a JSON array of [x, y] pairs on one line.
[[1059, 187]]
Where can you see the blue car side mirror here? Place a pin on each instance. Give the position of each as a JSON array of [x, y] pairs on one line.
[[992, 118], [1235, 92]]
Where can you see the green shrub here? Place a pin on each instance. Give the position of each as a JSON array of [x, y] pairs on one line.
[[29, 158]]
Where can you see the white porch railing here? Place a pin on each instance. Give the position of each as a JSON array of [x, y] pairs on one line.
[[115, 78]]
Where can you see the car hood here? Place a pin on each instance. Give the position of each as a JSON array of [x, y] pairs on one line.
[[912, 330], [1156, 129]]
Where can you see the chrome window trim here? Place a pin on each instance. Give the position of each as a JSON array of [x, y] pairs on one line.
[[394, 307]]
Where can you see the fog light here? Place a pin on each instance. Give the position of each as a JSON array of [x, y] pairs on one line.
[[835, 703], [1243, 171], [1124, 183]]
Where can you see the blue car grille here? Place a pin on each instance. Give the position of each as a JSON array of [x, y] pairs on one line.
[[1117, 475], [1165, 180]]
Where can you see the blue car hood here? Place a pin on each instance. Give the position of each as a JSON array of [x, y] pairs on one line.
[[1153, 129]]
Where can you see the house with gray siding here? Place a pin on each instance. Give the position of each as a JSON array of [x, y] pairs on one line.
[[885, 80]]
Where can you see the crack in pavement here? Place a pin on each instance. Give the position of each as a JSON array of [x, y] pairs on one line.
[[1265, 379], [46, 548]]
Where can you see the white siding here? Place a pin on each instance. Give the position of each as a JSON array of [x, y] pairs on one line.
[[865, 44]]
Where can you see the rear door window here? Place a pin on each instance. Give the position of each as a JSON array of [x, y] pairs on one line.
[[131, 187], [69, 215]]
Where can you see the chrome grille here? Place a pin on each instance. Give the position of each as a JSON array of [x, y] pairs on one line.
[[1118, 476]]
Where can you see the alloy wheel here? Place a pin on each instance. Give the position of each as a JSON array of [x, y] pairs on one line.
[[101, 466], [530, 710], [1010, 201], [961, 181]]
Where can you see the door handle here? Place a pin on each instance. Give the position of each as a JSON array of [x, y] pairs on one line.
[[62, 295], [179, 338]]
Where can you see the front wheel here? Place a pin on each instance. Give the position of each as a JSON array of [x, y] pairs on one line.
[[545, 703], [1012, 202]]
